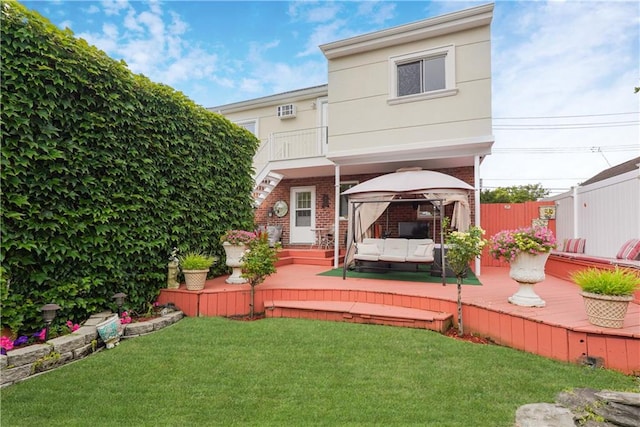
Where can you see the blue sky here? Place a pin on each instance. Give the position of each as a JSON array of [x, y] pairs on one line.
[[563, 71]]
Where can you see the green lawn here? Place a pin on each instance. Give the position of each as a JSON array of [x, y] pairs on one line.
[[286, 372]]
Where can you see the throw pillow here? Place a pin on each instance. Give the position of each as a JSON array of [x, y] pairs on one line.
[[630, 250], [574, 245]]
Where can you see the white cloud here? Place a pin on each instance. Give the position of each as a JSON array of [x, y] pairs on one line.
[[562, 59], [325, 33], [376, 12], [131, 23], [113, 7], [92, 9], [66, 24]]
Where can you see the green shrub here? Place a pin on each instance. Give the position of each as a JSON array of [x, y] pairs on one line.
[[196, 261], [618, 282], [103, 172]]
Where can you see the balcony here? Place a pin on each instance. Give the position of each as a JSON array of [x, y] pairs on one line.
[[291, 145]]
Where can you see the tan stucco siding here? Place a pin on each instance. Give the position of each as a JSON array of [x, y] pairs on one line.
[[370, 122], [307, 117], [362, 116]]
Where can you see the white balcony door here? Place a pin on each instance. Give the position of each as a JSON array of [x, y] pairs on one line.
[[303, 215]]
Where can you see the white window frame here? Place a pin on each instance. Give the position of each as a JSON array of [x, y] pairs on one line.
[[241, 123], [351, 184], [449, 73]]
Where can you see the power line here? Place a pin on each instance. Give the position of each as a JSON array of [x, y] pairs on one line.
[[563, 127], [564, 117], [528, 125], [557, 150]]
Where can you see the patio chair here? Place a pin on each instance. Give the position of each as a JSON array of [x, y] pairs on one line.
[[328, 238]]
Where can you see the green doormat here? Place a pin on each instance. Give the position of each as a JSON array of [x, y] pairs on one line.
[[404, 276]]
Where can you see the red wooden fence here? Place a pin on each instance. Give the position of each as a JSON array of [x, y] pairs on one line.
[[495, 217]]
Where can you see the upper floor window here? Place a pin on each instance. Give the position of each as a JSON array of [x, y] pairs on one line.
[[422, 75]]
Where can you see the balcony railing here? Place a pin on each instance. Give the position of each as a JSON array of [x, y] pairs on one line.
[[298, 144], [291, 145]]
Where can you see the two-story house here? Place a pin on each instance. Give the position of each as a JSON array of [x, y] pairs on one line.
[[416, 95]]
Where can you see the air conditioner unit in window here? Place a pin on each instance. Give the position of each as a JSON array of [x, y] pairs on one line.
[[287, 111]]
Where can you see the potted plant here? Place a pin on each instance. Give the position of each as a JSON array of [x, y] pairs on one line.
[[195, 267], [526, 250], [235, 243], [463, 247], [607, 294], [258, 262]]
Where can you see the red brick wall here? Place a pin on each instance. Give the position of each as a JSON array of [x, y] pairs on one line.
[[325, 215]]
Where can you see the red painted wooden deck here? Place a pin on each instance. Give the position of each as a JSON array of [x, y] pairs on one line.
[[560, 330]]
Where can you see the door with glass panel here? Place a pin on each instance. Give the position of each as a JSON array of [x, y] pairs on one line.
[[303, 215]]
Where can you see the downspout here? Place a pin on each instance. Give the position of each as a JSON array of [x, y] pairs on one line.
[[476, 195], [336, 220]]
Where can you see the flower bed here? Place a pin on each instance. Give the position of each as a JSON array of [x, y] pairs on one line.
[[21, 363]]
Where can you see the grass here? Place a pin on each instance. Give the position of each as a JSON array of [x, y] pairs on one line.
[[289, 372]]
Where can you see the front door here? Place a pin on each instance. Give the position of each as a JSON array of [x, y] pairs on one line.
[[303, 215]]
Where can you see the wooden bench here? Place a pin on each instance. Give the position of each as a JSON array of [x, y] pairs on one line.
[[563, 264]]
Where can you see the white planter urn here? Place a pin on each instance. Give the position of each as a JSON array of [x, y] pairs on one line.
[[527, 270], [234, 254]]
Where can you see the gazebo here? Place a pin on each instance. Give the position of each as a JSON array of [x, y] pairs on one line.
[[370, 199]]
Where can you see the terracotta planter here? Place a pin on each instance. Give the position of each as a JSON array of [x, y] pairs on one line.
[[607, 311], [234, 254], [194, 279], [527, 270]]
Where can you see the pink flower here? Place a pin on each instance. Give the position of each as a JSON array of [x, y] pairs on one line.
[[6, 343], [72, 327], [125, 318], [42, 335]]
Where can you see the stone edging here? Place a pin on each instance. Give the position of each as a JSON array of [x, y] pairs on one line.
[[22, 363]]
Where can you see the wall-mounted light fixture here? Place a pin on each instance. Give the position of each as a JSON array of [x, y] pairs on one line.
[[325, 200]]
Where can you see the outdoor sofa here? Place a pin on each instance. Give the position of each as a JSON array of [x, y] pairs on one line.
[[383, 253]]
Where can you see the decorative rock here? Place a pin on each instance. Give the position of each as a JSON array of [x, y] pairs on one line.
[[590, 408], [97, 318], [174, 316], [21, 363], [67, 343], [544, 415], [138, 328], [84, 351], [15, 374], [88, 332], [632, 399], [160, 322], [619, 414], [26, 355]]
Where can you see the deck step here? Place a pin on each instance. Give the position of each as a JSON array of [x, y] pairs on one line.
[[360, 312], [307, 257]]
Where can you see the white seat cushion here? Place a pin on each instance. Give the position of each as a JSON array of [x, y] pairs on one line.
[[368, 249], [395, 250], [423, 253]]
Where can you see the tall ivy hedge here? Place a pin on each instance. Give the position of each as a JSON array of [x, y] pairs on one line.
[[102, 173]]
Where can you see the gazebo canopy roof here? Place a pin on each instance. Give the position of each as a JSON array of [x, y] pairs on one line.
[[410, 181]]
